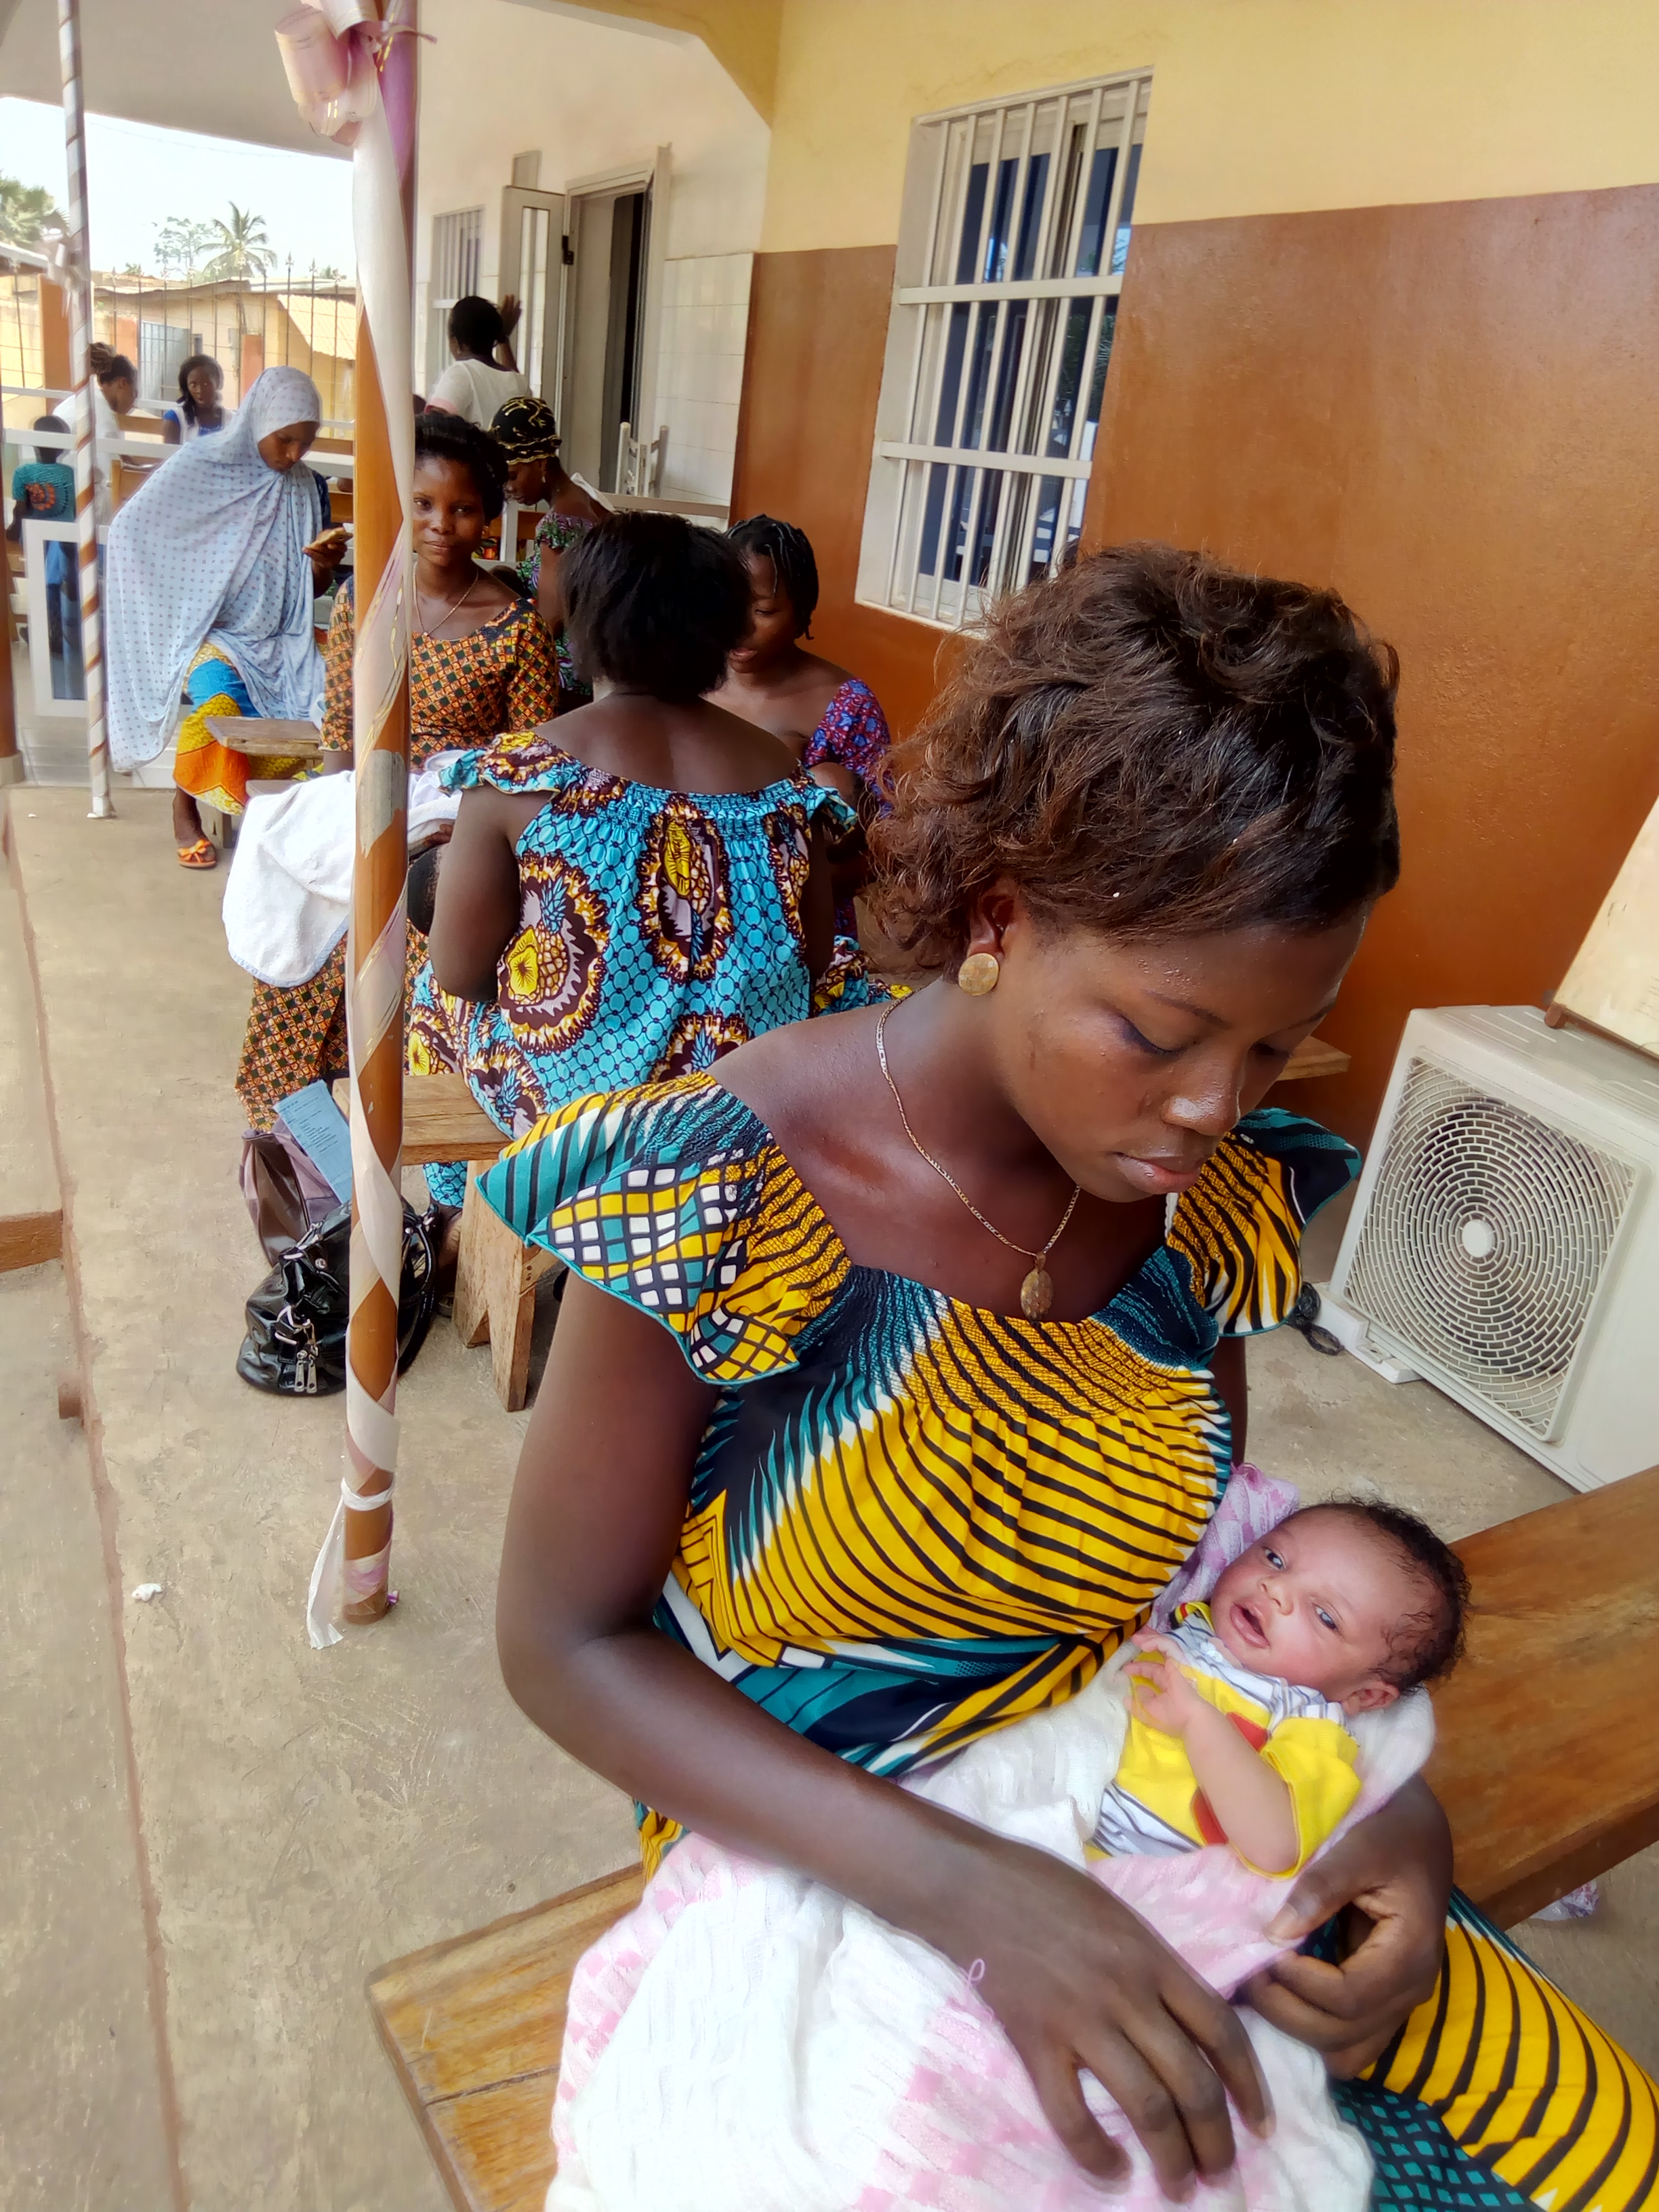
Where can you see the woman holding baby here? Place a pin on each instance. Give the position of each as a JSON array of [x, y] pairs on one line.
[[900, 1369]]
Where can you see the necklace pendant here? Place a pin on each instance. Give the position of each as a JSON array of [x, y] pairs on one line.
[[1037, 1293]]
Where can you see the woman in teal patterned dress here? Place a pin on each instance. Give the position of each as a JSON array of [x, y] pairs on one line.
[[528, 435], [649, 890], [902, 1363]]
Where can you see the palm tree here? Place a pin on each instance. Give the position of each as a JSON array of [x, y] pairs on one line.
[[245, 252], [25, 211], [245, 248]]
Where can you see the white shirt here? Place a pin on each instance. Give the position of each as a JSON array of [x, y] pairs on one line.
[[475, 389], [104, 427]]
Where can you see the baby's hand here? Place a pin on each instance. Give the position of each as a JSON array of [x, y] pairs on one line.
[[1163, 1692]]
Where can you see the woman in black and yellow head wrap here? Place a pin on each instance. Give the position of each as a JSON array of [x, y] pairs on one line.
[[529, 437]]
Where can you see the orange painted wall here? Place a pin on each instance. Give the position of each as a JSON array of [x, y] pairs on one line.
[[1447, 413], [817, 328]]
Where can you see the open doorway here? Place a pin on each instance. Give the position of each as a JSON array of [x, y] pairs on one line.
[[606, 326]]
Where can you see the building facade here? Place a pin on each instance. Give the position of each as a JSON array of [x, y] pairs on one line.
[[1385, 316]]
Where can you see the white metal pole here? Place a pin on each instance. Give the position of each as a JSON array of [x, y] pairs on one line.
[[77, 278]]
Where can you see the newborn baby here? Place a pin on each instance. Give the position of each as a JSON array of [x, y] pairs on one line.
[[1236, 1734]]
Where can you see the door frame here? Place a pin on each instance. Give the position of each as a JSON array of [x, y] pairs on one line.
[[651, 174], [515, 199]]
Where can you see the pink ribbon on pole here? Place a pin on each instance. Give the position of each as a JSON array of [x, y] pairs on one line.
[[332, 52]]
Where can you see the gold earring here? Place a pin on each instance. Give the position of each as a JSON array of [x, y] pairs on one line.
[[979, 973]]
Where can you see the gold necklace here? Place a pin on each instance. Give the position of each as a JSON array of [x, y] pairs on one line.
[[429, 629], [1036, 1292]]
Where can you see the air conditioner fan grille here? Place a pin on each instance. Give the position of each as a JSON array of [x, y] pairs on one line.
[[1487, 1232]]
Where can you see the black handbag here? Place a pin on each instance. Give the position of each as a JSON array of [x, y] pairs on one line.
[[296, 1320]]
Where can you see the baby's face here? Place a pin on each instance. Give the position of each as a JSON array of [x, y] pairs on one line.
[[1314, 1602]]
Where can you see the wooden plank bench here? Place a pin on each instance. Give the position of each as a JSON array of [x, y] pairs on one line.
[[1546, 1764], [495, 1275], [1314, 1057], [266, 737]]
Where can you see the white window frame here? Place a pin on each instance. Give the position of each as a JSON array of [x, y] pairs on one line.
[[456, 270], [948, 345]]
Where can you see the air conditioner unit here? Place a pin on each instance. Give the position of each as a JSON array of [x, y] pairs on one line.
[[1504, 1238]]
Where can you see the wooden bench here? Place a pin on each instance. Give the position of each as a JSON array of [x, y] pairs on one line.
[[1314, 1057], [495, 1275], [266, 737], [1546, 1764]]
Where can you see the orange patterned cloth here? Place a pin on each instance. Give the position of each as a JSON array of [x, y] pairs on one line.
[[204, 765], [463, 692]]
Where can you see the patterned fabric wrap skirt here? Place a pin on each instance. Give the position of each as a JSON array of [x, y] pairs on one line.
[[205, 767], [296, 1034]]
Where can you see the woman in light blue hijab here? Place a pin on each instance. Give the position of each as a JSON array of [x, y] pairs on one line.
[[213, 569]]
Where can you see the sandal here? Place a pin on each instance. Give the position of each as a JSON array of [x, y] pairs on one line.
[[200, 854]]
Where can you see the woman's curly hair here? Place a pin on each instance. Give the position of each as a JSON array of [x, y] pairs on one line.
[[1150, 743]]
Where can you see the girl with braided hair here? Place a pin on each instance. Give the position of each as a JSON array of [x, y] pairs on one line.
[[828, 718], [830, 721]]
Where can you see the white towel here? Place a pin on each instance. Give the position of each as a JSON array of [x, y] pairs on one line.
[[287, 900]]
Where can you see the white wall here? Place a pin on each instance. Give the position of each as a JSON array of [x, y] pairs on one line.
[[504, 78]]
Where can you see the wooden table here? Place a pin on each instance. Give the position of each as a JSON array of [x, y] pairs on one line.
[[266, 737], [1547, 1765]]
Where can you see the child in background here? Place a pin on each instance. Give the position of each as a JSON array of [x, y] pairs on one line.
[[1237, 1732], [43, 490]]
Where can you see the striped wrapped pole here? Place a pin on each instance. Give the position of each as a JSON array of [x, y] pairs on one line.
[[351, 1575], [77, 279]]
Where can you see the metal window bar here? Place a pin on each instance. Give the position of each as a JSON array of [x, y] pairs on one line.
[[940, 167], [991, 468]]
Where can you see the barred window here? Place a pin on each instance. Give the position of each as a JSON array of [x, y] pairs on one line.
[[457, 251], [1013, 243]]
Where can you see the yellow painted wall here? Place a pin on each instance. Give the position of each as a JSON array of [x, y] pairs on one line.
[[1259, 106], [741, 34]]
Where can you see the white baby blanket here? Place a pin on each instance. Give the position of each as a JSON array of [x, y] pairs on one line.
[[287, 900], [748, 2041]]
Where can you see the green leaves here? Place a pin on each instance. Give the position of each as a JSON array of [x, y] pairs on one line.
[[26, 210]]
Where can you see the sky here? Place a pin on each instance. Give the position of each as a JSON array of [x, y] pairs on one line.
[[138, 175]]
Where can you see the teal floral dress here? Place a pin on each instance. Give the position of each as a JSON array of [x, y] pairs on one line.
[[658, 931], [556, 533]]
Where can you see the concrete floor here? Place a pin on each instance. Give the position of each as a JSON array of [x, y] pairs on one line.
[[210, 1833]]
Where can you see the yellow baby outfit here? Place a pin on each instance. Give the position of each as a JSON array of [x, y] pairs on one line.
[[1153, 1807]]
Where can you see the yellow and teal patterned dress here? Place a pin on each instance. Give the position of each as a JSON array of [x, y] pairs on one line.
[[912, 1521]]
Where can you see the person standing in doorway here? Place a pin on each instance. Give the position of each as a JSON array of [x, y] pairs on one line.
[[482, 373]]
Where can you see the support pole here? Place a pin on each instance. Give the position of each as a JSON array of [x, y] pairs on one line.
[[384, 207], [77, 279], [11, 764]]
